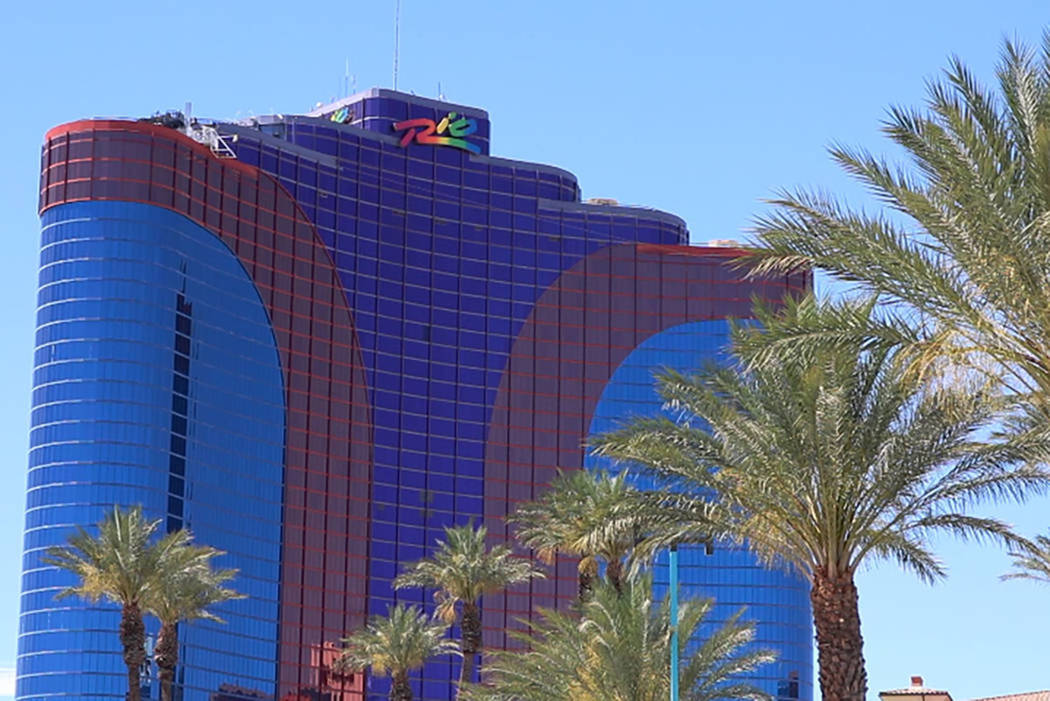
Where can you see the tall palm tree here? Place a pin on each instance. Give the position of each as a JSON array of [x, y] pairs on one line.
[[124, 565], [1032, 563], [587, 515], [619, 650], [395, 644], [463, 569], [962, 252], [186, 596], [825, 462]]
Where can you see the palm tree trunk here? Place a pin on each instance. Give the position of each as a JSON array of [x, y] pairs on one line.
[[836, 617], [470, 644], [400, 688], [167, 656], [586, 585], [614, 571], [133, 639]]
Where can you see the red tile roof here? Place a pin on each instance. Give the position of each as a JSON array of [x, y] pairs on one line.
[[919, 691], [1029, 696]]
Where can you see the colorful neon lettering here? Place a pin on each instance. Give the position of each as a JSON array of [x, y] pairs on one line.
[[426, 131], [342, 115]]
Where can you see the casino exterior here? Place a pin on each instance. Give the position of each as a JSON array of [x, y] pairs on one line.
[[316, 340]]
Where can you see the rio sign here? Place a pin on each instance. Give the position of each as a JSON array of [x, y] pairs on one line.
[[426, 131]]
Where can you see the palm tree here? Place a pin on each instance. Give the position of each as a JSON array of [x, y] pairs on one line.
[[123, 566], [186, 596], [1032, 563], [396, 644], [587, 515], [619, 650], [463, 569], [825, 462], [963, 251]]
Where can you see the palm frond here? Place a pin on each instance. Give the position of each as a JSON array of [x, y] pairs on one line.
[[399, 642], [618, 648], [969, 270], [190, 592], [1032, 561], [121, 562], [464, 568], [590, 515], [824, 459]]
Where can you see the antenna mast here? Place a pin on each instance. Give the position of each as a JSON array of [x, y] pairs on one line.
[[397, 37]]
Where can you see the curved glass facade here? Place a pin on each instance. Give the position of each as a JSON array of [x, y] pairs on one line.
[[157, 382], [440, 329], [777, 601]]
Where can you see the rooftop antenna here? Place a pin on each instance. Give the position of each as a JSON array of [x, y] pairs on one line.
[[441, 95], [397, 37], [346, 80]]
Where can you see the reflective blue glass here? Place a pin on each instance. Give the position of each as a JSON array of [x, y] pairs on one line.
[[778, 601], [157, 382]]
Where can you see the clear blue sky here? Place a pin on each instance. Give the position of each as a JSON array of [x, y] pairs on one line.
[[701, 108]]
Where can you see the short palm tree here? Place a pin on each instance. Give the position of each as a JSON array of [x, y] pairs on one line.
[[825, 462], [124, 565], [1032, 563], [396, 644], [463, 569], [584, 514], [619, 650], [962, 251], [186, 596]]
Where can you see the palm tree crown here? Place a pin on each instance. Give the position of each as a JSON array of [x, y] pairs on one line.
[[825, 462], [463, 569], [121, 563], [187, 595], [619, 650], [396, 644], [585, 514], [964, 250]]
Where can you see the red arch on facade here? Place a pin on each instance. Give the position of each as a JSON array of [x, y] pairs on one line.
[[580, 330]]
